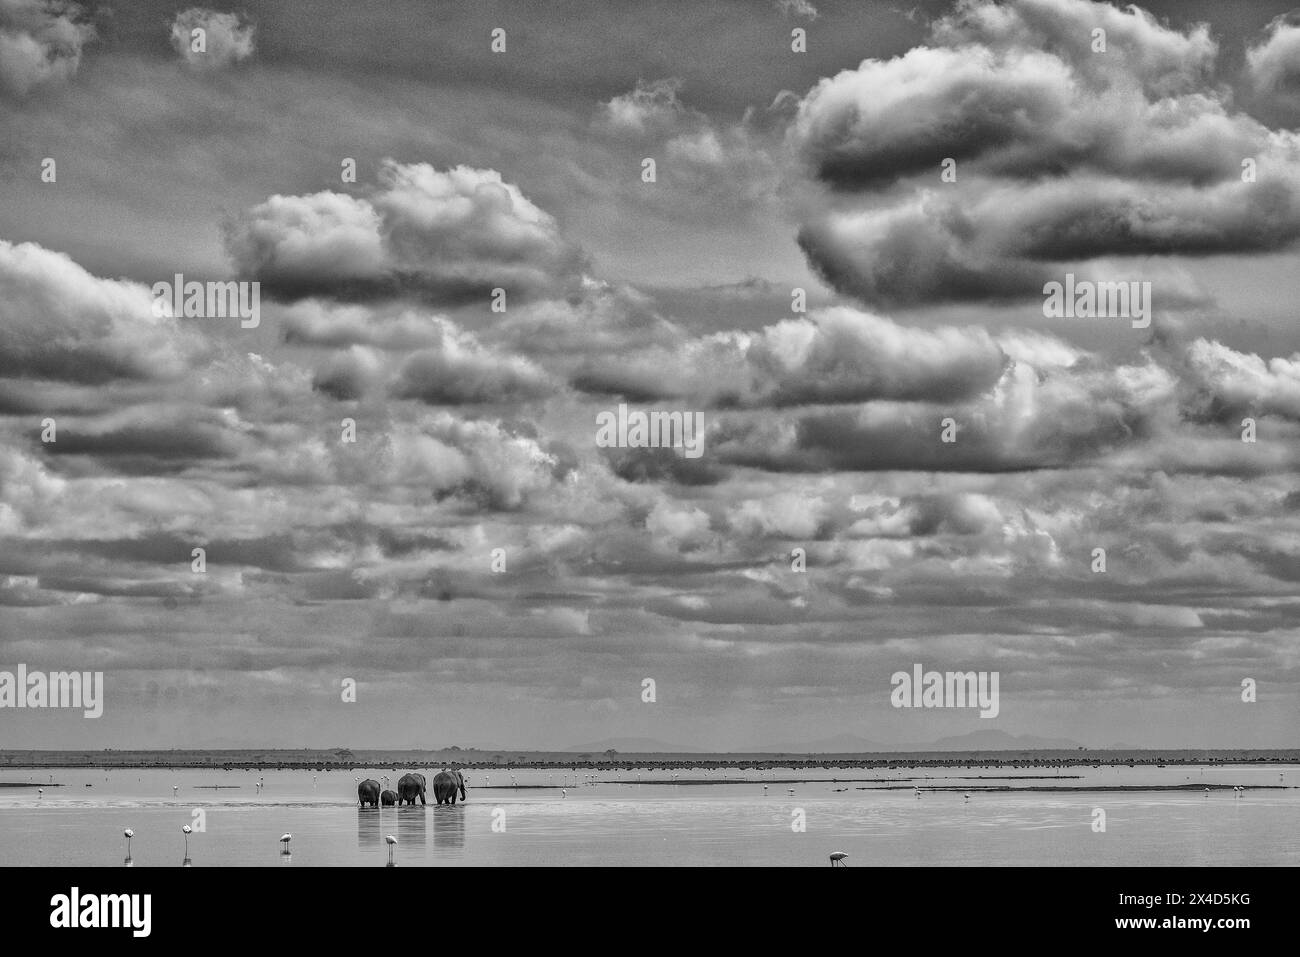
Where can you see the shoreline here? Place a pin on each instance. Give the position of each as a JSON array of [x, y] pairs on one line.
[[343, 759]]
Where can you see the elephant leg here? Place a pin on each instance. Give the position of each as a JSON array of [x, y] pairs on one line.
[[421, 798]]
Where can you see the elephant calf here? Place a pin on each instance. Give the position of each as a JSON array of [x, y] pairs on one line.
[[388, 798]]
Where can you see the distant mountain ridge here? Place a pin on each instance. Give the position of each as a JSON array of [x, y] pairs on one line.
[[635, 746], [991, 740]]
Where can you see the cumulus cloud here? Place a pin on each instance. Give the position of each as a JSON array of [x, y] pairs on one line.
[[206, 39], [651, 106], [797, 8], [1273, 65], [57, 321], [1064, 154], [460, 370], [40, 43], [441, 236], [835, 355]]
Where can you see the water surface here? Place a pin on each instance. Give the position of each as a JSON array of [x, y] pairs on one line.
[[562, 817]]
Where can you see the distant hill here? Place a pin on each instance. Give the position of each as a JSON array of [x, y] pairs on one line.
[[990, 740], [993, 740], [839, 744], [636, 746]]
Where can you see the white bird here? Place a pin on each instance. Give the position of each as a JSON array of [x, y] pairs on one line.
[[563, 793], [187, 830], [128, 834], [40, 792], [967, 795], [285, 839], [389, 839], [837, 859], [392, 847], [175, 788]]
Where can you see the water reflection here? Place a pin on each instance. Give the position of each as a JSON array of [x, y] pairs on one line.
[[411, 829], [368, 828], [449, 828]]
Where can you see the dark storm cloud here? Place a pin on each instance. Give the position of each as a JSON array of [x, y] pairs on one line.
[[146, 444]]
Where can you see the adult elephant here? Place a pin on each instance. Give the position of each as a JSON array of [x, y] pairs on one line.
[[409, 787], [368, 792], [446, 784]]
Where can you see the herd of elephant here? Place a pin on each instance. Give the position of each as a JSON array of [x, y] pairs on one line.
[[411, 786]]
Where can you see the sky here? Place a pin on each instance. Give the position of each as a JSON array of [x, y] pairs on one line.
[[845, 244]]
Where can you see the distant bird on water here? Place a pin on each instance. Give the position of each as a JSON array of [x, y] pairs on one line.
[[837, 859], [187, 831], [128, 834]]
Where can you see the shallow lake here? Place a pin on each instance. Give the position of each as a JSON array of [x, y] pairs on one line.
[[612, 818]]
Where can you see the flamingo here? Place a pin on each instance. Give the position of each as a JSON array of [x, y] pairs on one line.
[[837, 859], [285, 838], [128, 834], [563, 793], [175, 788], [40, 792], [187, 831], [392, 847]]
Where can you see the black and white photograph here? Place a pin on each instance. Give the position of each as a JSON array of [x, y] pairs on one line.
[[649, 433]]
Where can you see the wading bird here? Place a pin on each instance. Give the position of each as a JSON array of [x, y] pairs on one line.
[[128, 834], [187, 831], [837, 859], [392, 847]]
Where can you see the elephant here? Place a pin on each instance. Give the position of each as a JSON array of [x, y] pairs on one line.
[[388, 798], [409, 787], [445, 785], [368, 792]]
